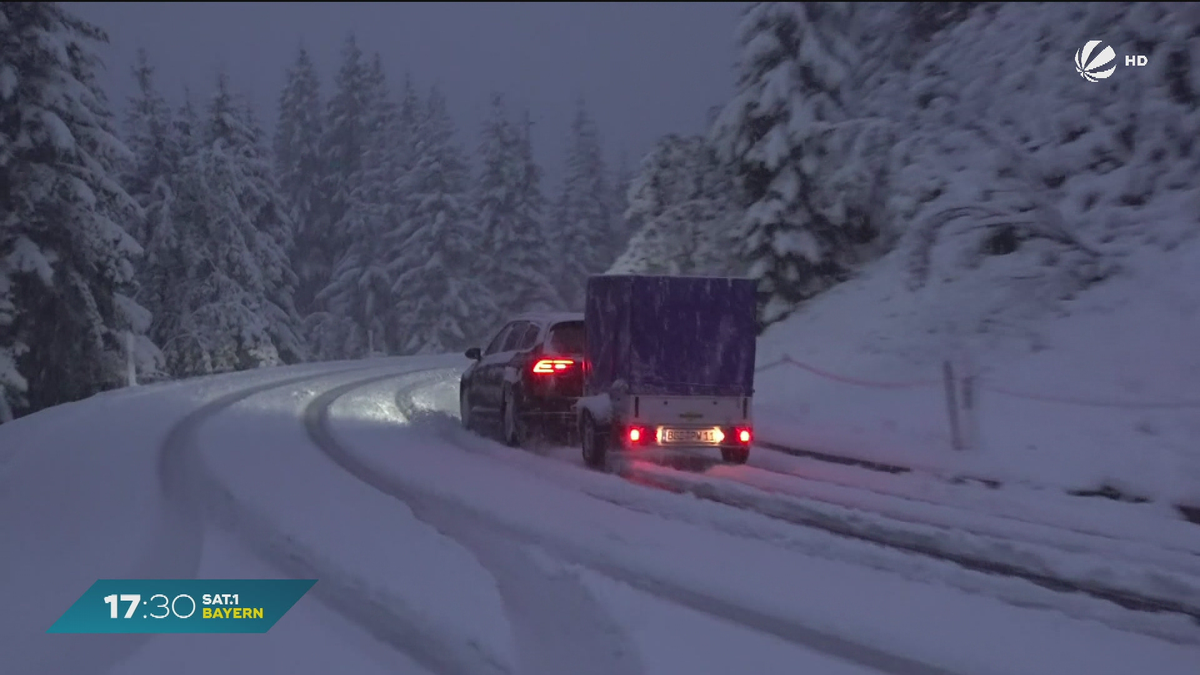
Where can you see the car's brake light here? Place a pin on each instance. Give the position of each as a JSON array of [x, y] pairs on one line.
[[549, 366], [744, 436]]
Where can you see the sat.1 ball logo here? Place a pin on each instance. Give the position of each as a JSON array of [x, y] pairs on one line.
[[1092, 68]]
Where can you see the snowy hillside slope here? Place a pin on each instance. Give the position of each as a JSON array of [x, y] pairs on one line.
[[1119, 366], [1046, 228]]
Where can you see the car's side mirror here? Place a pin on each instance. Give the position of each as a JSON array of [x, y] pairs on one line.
[[474, 354]]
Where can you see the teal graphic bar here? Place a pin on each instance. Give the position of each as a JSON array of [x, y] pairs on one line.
[[182, 606]]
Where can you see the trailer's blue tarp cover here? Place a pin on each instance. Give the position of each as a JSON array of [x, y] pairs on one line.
[[681, 336]]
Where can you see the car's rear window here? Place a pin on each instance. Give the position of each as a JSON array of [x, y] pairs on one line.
[[565, 338]]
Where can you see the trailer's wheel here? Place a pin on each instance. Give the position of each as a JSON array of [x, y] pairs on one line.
[[735, 455], [594, 443]]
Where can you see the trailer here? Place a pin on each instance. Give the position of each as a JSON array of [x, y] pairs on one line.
[[669, 363]]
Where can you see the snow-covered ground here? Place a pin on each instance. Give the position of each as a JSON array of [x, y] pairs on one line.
[[1099, 390], [441, 552], [1116, 547]]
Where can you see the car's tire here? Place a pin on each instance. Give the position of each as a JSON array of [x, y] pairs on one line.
[[464, 409], [512, 427], [594, 443], [735, 455]]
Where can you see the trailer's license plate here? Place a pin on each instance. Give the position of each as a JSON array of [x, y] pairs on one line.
[[705, 436]]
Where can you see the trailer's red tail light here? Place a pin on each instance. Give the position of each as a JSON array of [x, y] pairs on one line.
[[744, 436], [551, 366], [636, 435]]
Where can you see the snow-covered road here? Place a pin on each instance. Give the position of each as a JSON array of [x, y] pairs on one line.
[[441, 552]]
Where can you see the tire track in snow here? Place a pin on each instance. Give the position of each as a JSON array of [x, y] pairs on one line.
[[343, 593], [792, 509], [543, 609], [175, 552], [557, 624], [1186, 558], [433, 508]]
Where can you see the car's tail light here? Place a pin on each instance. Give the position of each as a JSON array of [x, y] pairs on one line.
[[744, 436], [551, 366]]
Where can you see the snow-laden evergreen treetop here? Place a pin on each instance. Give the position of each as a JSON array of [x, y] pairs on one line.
[[299, 162], [584, 227], [516, 255], [683, 203], [434, 258], [358, 307], [782, 130]]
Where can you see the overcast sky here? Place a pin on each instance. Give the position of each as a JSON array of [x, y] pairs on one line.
[[644, 69]]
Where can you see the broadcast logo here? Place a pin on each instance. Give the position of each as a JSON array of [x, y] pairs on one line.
[[1093, 65]]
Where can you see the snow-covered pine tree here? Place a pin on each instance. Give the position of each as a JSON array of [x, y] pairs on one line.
[[781, 131], [493, 204], [508, 204], [148, 133], [622, 181], [152, 135], [925, 19], [409, 116], [187, 126], [442, 301], [66, 275], [587, 239], [342, 149], [165, 260], [529, 216], [299, 161], [270, 214], [359, 308], [671, 174], [683, 204], [228, 248], [405, 132]]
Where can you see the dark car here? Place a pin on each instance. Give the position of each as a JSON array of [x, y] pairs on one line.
[[525, 383]]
